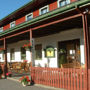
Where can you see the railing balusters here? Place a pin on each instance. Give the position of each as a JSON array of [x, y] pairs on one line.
[[71, 79]]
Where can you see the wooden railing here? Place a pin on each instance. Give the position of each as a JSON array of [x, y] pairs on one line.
[[69, 79], [88, 79]]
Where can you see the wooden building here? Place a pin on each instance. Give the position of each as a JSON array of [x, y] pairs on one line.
[[53, 36]]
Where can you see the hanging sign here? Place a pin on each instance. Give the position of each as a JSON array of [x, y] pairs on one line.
[[50, 52]]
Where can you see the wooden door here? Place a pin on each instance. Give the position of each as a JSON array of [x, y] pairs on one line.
[[69, 52]]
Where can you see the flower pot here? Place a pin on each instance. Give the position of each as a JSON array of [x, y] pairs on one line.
[[29, 83], [28, 48], [25, 80], [24, 84]]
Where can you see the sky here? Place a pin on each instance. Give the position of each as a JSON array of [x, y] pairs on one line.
[[8, 6]]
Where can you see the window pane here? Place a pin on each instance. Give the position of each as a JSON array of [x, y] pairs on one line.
[[1, 29], [63, 3], [43, 11], [23, 53], [29, 17], [12, 24], [12, 55], [38, 51]]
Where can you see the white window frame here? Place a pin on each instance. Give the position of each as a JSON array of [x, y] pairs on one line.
[[1, 29], [43, 8], [28, 15], [12, 23], [62, 0]]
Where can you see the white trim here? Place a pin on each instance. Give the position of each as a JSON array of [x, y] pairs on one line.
[[47, 6], [11, 23], [28, 15], [1, 29], [61, 0]]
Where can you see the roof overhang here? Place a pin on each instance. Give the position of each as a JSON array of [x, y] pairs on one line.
[[52, 14], [24, 9]]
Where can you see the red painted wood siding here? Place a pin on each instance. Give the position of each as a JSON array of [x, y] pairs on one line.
[[35, 13], [20, 20], [73, 1], [6, 27], [53, 6]]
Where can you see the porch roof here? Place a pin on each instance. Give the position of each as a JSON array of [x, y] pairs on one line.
[[48, 15]]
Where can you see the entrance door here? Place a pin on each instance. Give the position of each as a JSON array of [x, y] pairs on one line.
[[68, 52]]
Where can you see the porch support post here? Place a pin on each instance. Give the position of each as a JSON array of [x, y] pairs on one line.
[[5, 55], [86, 41], [31, 45]]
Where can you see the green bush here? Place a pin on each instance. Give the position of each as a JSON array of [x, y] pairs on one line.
[[62, 60]]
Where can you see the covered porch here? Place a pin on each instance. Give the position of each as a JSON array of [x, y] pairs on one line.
[[60, 50]]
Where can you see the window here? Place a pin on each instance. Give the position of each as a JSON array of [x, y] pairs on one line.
[[29, 17], [1, 29], [12, 54], [12, 24], [44, 10], [63, 2], [23, 53], [38, 51]]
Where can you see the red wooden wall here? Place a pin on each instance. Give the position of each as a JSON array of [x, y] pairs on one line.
[[20, 20], [72, 0], [53, 6], [6, 27], [35, 13]]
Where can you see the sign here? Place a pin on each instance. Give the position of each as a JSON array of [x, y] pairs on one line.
[[50, 52]]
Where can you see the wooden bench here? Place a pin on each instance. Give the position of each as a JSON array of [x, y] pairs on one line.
[[19, 67], [74, 64]]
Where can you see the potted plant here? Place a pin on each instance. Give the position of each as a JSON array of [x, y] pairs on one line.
[[25, 80], [2, 50], [9, 74], [27, 46], [25, 61]]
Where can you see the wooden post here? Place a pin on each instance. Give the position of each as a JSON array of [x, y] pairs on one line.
[[86, 41], [5, 55], [31, 45]]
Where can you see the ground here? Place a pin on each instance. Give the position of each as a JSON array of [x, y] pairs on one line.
[[6, 84]]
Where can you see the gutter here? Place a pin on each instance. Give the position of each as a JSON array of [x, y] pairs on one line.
[[48, 15]]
